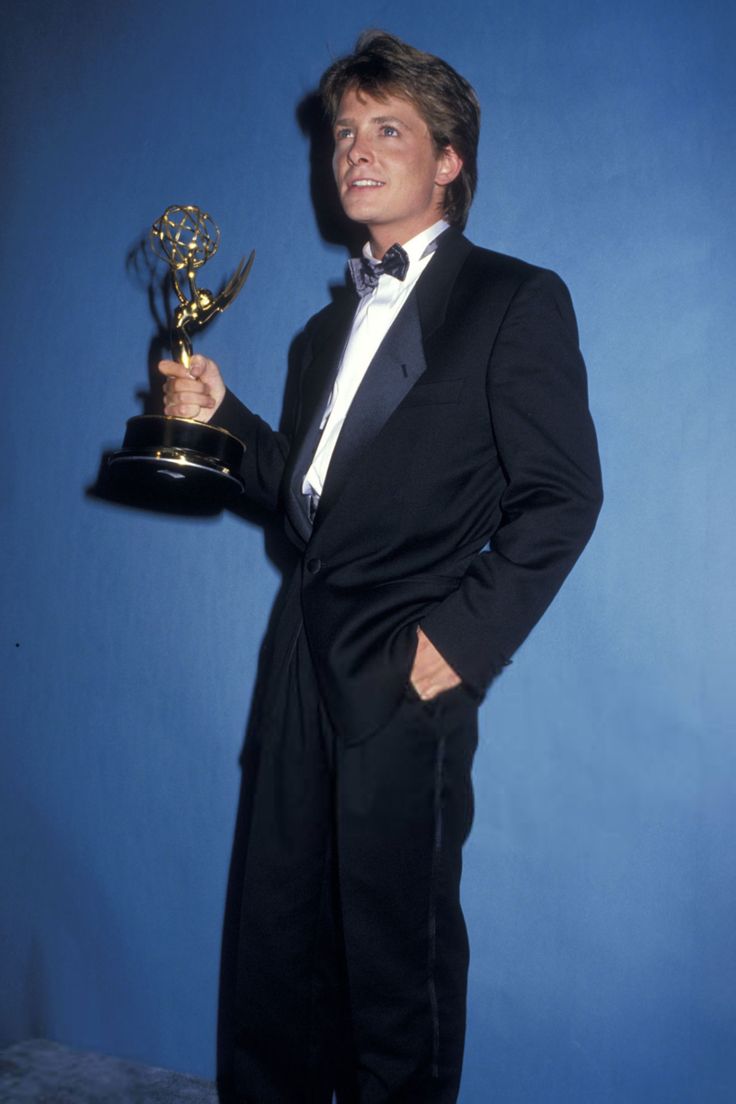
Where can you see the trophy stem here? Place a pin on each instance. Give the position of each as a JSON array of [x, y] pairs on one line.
[[181, 347]]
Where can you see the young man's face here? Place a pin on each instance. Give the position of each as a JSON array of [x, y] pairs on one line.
[[388, 173]]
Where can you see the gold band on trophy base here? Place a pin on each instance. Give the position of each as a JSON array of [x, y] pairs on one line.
[[158, 447]]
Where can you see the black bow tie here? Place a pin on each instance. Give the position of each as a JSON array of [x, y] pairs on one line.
[[365, 272]]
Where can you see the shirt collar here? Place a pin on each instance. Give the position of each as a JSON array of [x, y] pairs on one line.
[[418, 247]]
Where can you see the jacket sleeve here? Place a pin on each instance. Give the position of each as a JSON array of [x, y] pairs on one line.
[[266, 450], [546, 442]]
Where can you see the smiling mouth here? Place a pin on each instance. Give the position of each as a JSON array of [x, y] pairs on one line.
[[366, 184]]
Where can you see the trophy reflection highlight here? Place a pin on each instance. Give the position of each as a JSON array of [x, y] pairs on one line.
[[159, 447]]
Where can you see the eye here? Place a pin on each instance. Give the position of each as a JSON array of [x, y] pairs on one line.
[[389, 131], [342, 132]]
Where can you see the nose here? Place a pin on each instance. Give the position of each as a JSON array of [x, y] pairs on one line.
[[359, 150]]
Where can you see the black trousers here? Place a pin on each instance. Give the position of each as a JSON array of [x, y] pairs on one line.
[[353, 952]]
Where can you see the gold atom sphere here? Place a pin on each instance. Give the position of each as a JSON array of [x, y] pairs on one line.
[[185, 237]]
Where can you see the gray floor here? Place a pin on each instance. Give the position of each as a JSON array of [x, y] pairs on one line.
[[40, 1072]]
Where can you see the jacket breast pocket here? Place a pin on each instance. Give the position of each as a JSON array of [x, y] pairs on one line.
[[434, 392]]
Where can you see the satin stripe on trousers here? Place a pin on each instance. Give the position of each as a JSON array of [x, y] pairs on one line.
[[353, 953]]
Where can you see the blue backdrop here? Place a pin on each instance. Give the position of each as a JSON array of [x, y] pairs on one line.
[[600, 882]]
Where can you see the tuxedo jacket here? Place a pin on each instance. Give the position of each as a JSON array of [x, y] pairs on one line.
[[463, 486]]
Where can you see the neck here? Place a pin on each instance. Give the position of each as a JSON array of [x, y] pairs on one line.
[[382, 239], [380, 245]]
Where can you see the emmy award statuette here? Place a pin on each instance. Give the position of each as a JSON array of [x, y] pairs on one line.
[[160, 449]]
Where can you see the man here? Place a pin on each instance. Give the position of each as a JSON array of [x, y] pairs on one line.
[[442, 407]]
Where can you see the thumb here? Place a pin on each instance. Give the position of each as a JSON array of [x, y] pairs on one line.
[[197, 365]]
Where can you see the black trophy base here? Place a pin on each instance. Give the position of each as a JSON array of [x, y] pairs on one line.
[[178, 457]]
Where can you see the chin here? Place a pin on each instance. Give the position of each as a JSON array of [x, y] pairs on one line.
[[359, 201], [359, 209]]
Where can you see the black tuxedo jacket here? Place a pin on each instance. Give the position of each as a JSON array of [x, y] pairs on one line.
[[463, 487]]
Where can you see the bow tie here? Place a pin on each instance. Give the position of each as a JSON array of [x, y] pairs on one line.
[[365, 272]]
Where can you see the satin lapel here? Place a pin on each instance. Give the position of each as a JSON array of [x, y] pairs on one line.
[[398, 363], [436, 284], [319, 378]]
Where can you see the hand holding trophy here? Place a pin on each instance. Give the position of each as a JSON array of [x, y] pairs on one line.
[[158, 446]]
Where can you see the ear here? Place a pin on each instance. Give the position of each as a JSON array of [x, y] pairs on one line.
[[449, 166]]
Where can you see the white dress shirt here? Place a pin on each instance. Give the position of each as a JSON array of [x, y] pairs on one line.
[[373, 318]]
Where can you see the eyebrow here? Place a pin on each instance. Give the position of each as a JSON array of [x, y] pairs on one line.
[[376, 119]]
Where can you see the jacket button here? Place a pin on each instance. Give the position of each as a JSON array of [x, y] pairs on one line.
[[313, 566]]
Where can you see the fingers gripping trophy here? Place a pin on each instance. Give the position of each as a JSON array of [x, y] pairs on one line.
[[159, 447]]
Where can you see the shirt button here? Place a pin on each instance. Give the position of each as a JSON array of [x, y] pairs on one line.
[[313, 566]]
